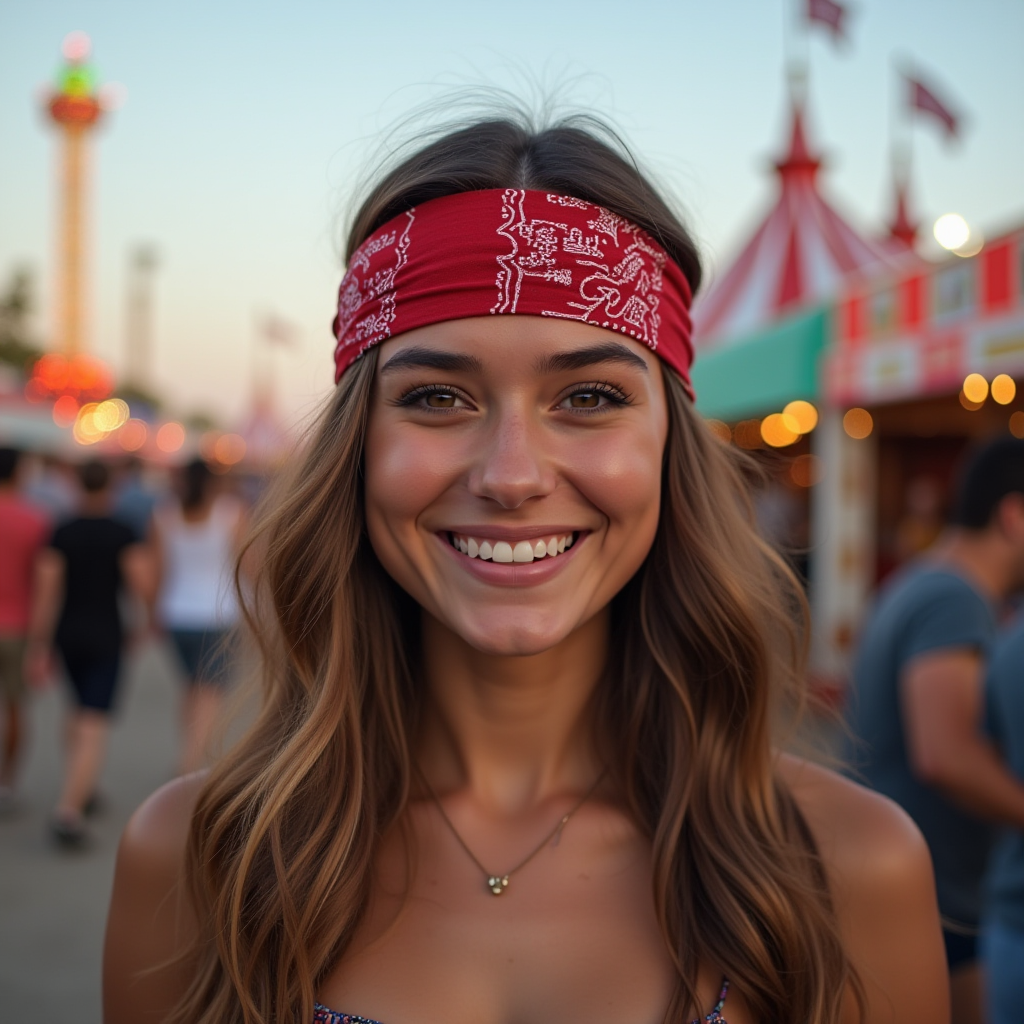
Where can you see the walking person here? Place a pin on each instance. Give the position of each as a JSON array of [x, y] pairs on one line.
[[522, 651], [195, 539], [1003, 929], [23, 529], [918, 697], [79, 577]]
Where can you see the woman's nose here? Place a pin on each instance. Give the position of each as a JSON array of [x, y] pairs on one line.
[[511, 465]]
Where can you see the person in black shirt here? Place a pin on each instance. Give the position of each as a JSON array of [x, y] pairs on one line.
[[79, 577]]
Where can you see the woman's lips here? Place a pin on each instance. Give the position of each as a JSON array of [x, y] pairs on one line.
[[502, 567]]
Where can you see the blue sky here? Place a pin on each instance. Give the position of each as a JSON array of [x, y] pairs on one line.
[[247, 125]]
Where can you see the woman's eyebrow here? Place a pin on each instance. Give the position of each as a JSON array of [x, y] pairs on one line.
[[577, 359], [431, 359]]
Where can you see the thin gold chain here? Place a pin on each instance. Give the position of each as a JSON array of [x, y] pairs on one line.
[[499, 883]]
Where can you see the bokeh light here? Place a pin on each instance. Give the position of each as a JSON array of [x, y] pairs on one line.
[[779, 430], [111, 414], [804, 414], [76, 46], [858, 423], [1017, 424], [229, 449], [747, 434], [86, 430], [133, 435], [951, 231], [975, 388], [1004, 389], [806, 470], [720, 430], [65, 409], [968, 404], [170, 437]]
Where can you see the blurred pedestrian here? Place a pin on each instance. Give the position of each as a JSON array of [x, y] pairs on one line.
[[79, 577], [134, 497], [23, 528], [195, 539], [917, 707], [51, 487], [1003, 932]]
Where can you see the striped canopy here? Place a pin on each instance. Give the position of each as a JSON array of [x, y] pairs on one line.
[[796, 257]]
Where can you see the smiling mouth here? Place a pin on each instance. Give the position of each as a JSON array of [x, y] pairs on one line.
[[503, 551]]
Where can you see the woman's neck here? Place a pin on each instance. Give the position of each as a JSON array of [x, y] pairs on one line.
[[513, 730]]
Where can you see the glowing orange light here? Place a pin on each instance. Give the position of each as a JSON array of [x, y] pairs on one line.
[[1004, 389], [229, 449], [779, 429], [65, 409], [975, 388], [720, 430], [1017, 424], [748, 434], [968, 403], [133, 435], [804, 414], [858, 423], [170, 437]]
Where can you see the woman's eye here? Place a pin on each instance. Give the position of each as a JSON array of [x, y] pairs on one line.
[[440, 400], [585, 400], [593, 399]]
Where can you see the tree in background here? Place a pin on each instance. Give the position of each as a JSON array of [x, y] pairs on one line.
[[18, 347]]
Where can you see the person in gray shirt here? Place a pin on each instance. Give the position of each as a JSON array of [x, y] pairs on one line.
[[1003, 931], [917, 707]]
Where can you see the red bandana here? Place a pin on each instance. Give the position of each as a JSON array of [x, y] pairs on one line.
[[513, 251]]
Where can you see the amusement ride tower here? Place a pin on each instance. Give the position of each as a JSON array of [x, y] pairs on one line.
[[76, 109]]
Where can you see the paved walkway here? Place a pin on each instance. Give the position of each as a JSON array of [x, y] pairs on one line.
[[53, 903]]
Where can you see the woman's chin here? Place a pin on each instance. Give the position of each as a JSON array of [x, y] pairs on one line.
[[509, 638]]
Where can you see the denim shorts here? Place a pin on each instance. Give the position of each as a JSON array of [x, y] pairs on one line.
[[203, 655]]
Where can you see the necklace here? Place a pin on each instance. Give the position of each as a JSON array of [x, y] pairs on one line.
[[497, 884]]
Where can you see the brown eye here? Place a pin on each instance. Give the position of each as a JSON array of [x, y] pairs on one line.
[[441, 400], [585, 400]]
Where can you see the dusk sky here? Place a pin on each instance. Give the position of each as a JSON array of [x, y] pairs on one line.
[[248, 125]]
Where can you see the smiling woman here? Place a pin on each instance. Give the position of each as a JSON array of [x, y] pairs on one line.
[[522, 651]]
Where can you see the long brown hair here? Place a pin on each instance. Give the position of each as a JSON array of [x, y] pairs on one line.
[[708, 639]]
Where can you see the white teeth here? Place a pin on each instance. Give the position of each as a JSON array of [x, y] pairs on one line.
[[503, 551], [523, 552]]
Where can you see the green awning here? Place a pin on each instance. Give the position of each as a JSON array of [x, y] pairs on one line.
[[761, 373]]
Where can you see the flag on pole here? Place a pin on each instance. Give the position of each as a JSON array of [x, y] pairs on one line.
[[830, 14], [922, 98]]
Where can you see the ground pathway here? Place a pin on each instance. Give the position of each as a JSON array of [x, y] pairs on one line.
[[53, 903]]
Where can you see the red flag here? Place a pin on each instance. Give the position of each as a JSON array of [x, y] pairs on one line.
[[922, 98], [830, 14]]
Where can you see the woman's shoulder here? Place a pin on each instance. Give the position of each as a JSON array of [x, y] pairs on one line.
[[864, 838], [157, 833]]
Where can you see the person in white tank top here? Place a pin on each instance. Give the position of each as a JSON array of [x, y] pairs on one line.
[[195, 538]]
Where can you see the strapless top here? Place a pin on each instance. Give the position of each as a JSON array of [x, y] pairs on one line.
[[325, 1016]]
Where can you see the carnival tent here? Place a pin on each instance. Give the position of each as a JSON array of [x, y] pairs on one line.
[[795, 258]]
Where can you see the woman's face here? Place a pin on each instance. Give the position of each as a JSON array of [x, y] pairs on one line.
[[513, 473]]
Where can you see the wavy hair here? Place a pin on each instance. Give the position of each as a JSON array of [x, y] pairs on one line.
[[708, 641]]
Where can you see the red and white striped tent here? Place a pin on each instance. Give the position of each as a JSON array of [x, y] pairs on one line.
[[797, 256]]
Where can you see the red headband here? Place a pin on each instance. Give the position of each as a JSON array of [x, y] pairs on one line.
[[513, 251]]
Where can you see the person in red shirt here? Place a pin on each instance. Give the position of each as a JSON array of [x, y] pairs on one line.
[[23, 529]]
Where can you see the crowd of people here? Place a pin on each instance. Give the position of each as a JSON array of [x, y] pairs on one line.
[[93, 559]]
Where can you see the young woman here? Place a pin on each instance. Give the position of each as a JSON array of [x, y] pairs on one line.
[[195, 539], [523, 652]]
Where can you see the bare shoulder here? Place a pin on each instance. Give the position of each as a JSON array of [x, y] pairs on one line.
[[151, 922], [880, 876], [157, 833], [864, 838]]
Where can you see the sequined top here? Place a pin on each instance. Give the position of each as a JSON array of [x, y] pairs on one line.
[[325, 1016]]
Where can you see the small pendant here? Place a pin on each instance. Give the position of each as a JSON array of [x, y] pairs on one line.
[[497, 884]]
